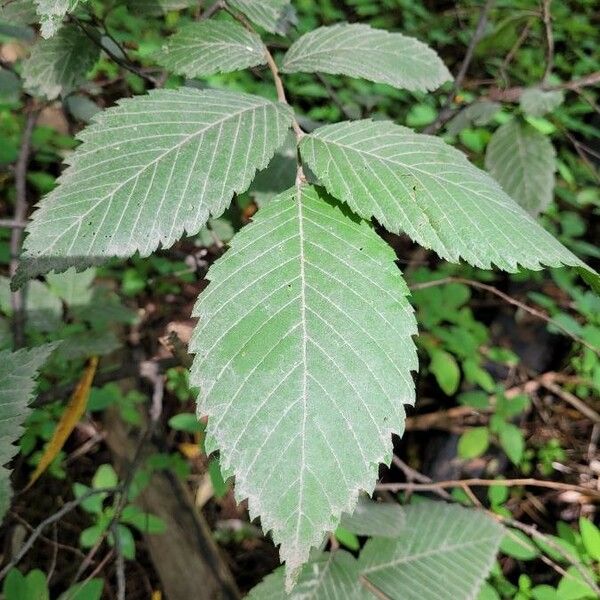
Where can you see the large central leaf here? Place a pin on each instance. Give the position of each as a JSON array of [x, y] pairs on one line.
[[154, 167], [303, 360]]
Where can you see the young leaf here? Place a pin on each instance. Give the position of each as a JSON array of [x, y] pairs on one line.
[[274, 16], [374, 54], [473, 442], [201, 49], [151, 168], [303, 360], [18, 371], [52, 13], [419, 184], [383, 519], [536, 102], [445, 551], [58, 65], [522, 160], [327, 575]]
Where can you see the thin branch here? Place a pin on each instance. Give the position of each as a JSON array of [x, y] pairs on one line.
[[272, 67], [55, 517], [510, 300], [547, 18], [119, 563], [13, 224], [571, 399], [17, 298], [447, 112], [459, 483], [122, 63]]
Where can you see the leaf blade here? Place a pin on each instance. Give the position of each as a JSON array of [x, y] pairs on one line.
[[17, 378], [208, 47], [445, 551], [522, 160], [297, 254], [132, 186], [418, 184], [361, 51]]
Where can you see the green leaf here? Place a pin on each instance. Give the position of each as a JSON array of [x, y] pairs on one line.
[[58, 65], [447, 374], [88, 590], [105, 477], [445, 551], [590, 536], [186, 422], [347, 538], [474, 442], [18, 371], [327, 575], [278, 176], [418, 184], [18, 12], [151, 168], [72, 287], [303, 360], [536, 102], [374, 518], [144, 522], [15, 585], [516, 544], [512, 442], [374, 54], [43, 308], [275, 16], [522, 160], [572, 586], [478, 113], [201, 49], [52, 13]]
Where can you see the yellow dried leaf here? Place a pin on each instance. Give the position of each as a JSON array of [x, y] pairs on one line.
[[70, 418]]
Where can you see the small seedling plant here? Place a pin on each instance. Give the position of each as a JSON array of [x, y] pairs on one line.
[[304, 350]]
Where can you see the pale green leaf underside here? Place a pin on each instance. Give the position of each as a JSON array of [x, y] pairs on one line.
[[536, 102], [72, 287], [52, 13], [151, 168], [275, 16], [303, 360], [201, 49], [522, 160], [444, 552], [18, 12], [58, 65], [18, 372], [418, 184], [361, 51], [374, 518], [328, 576], [478, 113]]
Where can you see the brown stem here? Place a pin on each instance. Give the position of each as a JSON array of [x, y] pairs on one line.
[[547, 18], [460, 483]]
